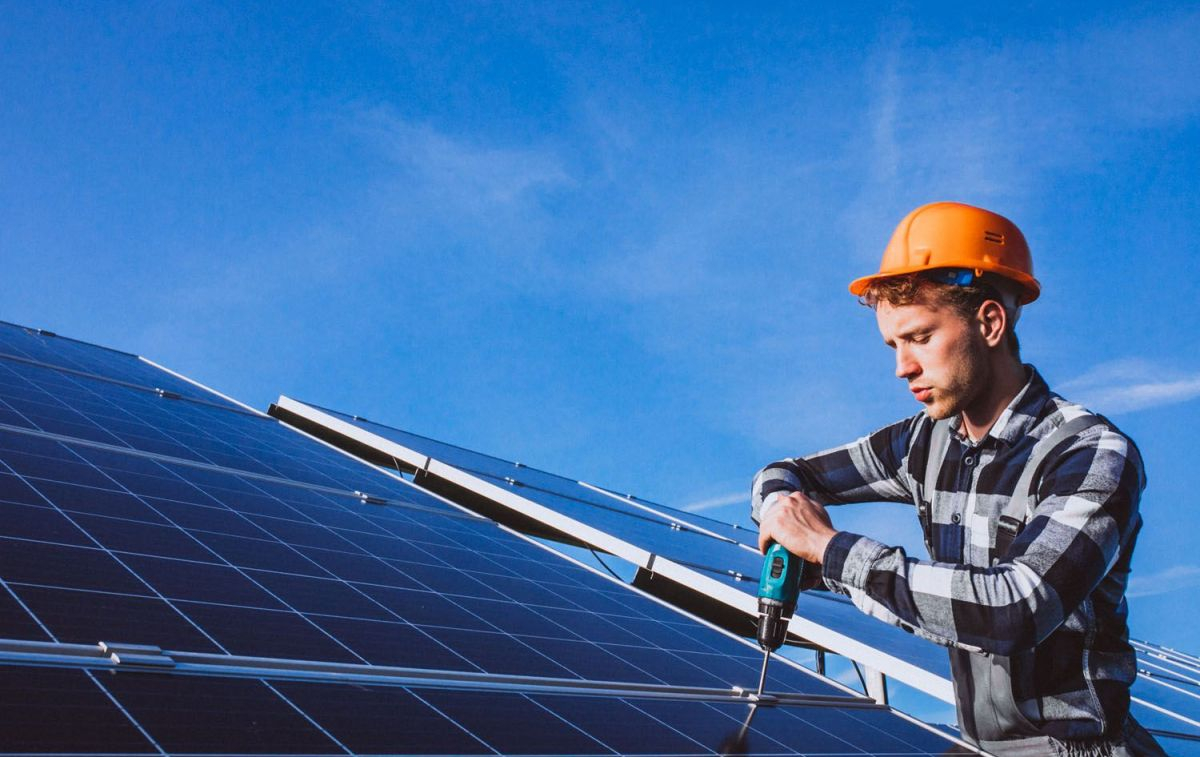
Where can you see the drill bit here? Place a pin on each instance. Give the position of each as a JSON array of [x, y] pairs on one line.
[[762, 677]]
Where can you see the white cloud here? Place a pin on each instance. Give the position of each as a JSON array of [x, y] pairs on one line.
[[1163, 582], [460, 202], [1131, 384], [712, 503]]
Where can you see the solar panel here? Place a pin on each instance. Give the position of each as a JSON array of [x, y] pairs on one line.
[[1166, 696], [181, 575], [690, 551]]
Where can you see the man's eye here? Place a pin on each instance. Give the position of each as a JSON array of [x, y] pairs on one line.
[[920, 339]]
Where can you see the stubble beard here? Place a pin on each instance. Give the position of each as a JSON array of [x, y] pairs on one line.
[[966, 380]]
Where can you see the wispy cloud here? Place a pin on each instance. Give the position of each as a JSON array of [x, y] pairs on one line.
[[463, 185], [1132, 384], [1164, 581], [733, 498], [986, 124]]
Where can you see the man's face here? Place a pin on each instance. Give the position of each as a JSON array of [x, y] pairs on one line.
[[941, 355]]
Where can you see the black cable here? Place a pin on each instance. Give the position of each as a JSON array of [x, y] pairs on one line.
[[601, 561], [861, 679]]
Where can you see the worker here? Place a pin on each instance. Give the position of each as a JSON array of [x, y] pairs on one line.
[[1028, 503]]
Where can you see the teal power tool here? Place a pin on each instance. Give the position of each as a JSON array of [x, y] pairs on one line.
[[778, 590]]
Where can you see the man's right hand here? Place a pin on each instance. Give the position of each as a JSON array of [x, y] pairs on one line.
[[800, 524]]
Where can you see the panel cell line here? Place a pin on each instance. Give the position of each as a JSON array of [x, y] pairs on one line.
[[182, 575], [695, 562]]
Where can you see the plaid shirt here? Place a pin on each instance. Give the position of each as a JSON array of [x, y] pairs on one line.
[[1051, 606]]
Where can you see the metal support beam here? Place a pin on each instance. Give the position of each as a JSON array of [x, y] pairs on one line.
[[876, 685], [142, 658]]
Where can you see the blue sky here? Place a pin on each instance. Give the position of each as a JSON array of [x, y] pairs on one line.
[[611, 240]]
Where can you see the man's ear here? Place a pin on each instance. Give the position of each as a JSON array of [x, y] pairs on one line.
[[992, 321]]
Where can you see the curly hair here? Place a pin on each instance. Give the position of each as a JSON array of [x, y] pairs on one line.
[[910, 288]]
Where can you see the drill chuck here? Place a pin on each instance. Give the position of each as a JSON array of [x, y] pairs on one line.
[[772, 623]]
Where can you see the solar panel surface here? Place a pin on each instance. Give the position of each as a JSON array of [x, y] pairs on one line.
[[723, 554], [189, 524]]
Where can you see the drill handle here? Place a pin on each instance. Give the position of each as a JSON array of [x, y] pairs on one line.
[[781, 575]]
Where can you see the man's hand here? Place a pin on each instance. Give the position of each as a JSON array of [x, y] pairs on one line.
[[798, 523]]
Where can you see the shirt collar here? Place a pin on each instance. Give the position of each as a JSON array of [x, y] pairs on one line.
[[1021, 415]]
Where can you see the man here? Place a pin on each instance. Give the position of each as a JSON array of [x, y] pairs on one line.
[[1031, 543]]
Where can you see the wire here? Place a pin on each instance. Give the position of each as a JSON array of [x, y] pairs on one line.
[[610, 570], [861, 680]]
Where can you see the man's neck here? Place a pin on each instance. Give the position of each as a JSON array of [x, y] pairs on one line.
[[1006, 381]]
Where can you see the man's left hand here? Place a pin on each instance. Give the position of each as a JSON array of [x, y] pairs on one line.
[[800, 524]]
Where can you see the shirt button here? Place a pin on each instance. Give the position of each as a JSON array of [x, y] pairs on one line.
[[955, 518], [968, 460]]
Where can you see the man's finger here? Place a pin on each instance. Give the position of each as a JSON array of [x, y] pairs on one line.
[[764, 538]]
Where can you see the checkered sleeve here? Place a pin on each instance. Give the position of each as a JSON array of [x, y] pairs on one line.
[[866, 470], [1085, 519]]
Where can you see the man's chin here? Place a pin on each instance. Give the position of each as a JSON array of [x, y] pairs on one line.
[[938, 410]]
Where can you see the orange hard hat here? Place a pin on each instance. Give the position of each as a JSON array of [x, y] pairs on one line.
[[954, 235]]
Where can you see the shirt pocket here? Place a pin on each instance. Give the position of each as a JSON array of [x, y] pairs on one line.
[[948, 542]]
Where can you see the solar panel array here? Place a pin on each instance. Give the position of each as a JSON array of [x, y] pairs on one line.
[[708, 549], [180, 575], [1166, 695]]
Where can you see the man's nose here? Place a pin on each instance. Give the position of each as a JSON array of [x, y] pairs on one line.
[[906, 366]]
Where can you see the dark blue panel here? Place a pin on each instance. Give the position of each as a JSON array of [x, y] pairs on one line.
[[423, 608], [88, 617], [203, 518], [13, 489], [320, 595], [447, 580], [45, 710], [362, 568], [381, 642], [185, 714], [596, 663], [260, 553], [495, 652], [120, 535], [87, 499], [41, 523], [181, 579], [621, 726], [515, 619], [274, 555], [375, 720], [75, 567], [491, 718], [304, 534], [265, 633], [16, 622]]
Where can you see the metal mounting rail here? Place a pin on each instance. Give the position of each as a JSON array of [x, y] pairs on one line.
[[151, 659]]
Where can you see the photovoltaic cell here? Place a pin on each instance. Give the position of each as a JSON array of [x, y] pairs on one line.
[[195, 526]]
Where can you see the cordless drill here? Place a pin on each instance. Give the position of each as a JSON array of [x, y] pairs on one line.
[[778, 589]]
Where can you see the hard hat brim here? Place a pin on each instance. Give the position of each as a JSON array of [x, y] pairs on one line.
[[1030, 288]]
